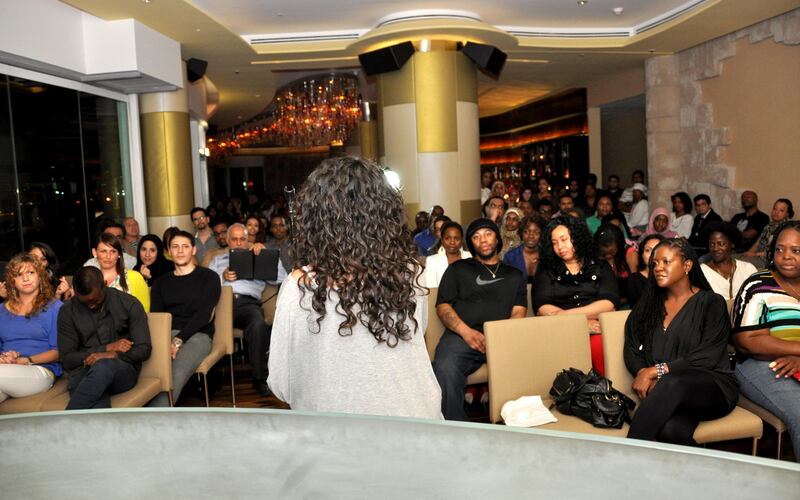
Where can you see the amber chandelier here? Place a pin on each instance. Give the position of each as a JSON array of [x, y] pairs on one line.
[[316, 111]]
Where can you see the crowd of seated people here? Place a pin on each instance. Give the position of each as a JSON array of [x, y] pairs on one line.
[[579, 248]]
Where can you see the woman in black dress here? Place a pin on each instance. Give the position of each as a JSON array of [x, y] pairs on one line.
[[638, 280], [676, 342]]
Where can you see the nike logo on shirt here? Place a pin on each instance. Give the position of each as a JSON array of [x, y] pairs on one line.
[[480, 281]]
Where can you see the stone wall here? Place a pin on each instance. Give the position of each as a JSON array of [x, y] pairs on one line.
[[684, 145]]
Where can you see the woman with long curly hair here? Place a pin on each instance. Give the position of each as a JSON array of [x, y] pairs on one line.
[[28, 319], [571, 280], [350, 321], [676, 347]]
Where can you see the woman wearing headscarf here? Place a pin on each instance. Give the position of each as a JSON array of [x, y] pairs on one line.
[[150, 260]]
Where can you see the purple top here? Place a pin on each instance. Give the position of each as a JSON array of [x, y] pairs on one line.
[[31, 336]]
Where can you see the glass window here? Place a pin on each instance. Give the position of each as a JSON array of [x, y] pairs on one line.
[[10, 242]]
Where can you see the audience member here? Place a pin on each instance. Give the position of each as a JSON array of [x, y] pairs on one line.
[[255, 230], [421, 221], [605, 205], [782, 210], [676, 347], [486, 186], [724, 273], [103, 338], [525, 257], [613, 188], [166, 238], [610, 246], [545, 209], [589, 199], [499, 189], [751, 222], [247, 311], [637, 177], [220, 233], [766, 332], [565, 202], [452, 249], [527, 208], [542, 193], [682, 220], [47, 258], [660, 224], [640, 209], [526, 195], [108, 226], [279, 230], [349, 333], [472, 292], [132, 236], [436, 230], [570, 280], [638, 280], [150, 260], [190, 294], [494, 209], [28, 330], [425, 239], [108, 252], [204, 236], [509, 231], [705, 216]]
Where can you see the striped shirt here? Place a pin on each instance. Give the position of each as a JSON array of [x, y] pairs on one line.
[[762, 303]]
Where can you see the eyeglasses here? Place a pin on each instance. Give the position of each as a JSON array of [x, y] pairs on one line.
[[195, 219]]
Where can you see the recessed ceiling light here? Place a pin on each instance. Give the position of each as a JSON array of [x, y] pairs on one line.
[[583, 2], [198, 30], [147, 1], [258, 95]]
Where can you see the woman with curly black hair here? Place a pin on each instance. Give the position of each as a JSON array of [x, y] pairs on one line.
[[676, 347], [350, 322], [571, 280]]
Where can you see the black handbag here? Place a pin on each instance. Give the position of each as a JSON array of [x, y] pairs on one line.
[[591, 398]]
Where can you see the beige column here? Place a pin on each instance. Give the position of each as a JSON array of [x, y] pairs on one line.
[[429, 117], [664, 159], [166, 152], [595, 144]]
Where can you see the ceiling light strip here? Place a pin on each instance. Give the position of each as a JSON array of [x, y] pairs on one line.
[[667, 16], [302, 37], [566, 33]]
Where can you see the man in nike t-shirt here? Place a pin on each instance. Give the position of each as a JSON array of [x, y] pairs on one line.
[[473, 291]]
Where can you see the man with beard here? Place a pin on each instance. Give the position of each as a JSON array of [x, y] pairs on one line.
[[751, 222], [473, 291], [204, 237]]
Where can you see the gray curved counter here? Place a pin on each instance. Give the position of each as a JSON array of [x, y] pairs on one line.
[[234, 453]]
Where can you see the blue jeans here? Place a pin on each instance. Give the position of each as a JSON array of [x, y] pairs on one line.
[[780, 396], [93, 387], [190, 355], [453, 362]]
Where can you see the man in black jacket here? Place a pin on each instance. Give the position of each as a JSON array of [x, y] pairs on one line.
[[103, 339], [705, 216]]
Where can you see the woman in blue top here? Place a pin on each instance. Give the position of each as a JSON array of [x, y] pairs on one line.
[[28, 319]]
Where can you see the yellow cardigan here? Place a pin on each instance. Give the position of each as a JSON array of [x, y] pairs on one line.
[[137, 287]]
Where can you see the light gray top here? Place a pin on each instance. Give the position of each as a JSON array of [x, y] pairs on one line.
[[351, 374]]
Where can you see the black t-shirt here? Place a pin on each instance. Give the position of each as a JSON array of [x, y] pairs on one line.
[[743, 222], [568, 291], [476, 296]]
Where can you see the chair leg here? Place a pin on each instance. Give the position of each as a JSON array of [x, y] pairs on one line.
[[233, 384], [205, 388], [171, 401], [780, 436], [755, 446]]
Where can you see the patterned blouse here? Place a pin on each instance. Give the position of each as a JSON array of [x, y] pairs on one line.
[[762, 303]]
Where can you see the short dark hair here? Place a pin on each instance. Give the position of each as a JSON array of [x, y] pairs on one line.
[[530, 219], [545, 201], [183, 234], [198, 209], [613, 176], [564, 195], [87, 279], [785, 225], [726, 228], [107, 223], [702, 196]]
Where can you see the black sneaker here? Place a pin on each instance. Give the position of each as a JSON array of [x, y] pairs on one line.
[[261, 388]]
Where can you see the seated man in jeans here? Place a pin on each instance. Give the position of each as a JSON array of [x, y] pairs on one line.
[[190, 294], [103, 339]]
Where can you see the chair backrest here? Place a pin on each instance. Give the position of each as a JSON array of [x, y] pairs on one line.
[[269, 302], [524, 355], [159, 364], [223, 320], [435, 327], [613, 326]]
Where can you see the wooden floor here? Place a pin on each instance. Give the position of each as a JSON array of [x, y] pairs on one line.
[[246, 397]]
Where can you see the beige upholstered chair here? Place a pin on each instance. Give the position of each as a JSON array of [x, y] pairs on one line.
[[739, 424], [434, 332], [155, 376], [269, 301], [33, 403], [525, 355], [222, 343], [528, 299]]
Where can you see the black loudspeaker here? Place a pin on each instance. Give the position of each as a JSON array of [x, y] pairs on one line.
[[386, 59], [490, 59], [195, 69]]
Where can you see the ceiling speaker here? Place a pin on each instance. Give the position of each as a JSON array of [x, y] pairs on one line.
[[488, 58], [195, 69], [386, 59]]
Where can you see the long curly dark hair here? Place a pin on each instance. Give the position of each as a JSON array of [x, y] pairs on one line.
[[648, 314], [581, 241], [351, 233]]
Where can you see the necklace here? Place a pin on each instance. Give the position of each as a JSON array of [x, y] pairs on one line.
[[493, 273], [790, 286]]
